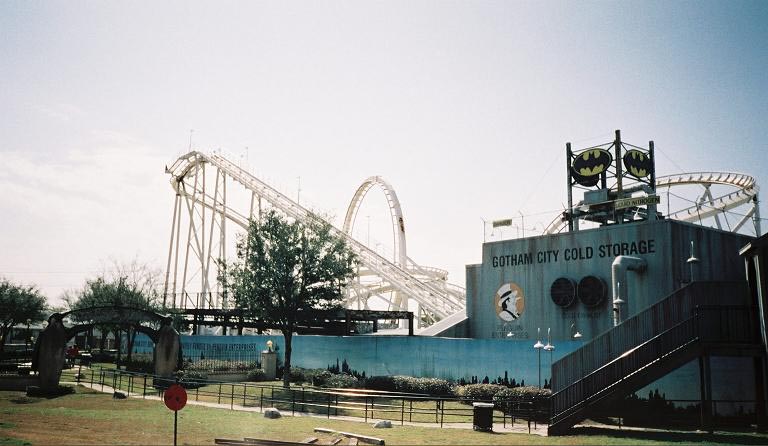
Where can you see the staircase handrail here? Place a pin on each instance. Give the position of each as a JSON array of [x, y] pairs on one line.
[[645, 325], [707, 323]]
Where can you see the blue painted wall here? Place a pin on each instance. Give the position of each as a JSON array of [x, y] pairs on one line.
[[449, 358]]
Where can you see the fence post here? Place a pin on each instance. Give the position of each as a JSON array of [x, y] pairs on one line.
[[261, 399], [218, 401], [442, 413], [366, 409], [197, 393], [232, 399], [144, 389], [293, 402], [402, 411], [245, 387], [130, 379], [329, 406]]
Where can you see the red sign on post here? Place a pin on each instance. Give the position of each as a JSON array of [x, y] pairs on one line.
[[175, 397]]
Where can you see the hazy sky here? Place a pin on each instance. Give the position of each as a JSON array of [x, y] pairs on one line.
[[464, 107]]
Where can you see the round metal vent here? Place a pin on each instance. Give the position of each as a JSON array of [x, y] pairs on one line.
[[592, 291], [563, 292]]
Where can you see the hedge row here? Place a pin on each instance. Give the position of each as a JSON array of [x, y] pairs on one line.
[[478, 392], [410, 384]]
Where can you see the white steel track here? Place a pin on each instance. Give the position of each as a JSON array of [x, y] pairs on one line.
[[745, 192], [205, 204]]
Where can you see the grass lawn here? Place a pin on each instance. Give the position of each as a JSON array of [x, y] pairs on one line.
[[88, 417], [272, 394]]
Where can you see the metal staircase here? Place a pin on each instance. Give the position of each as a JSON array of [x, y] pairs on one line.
[[703, 317], [436, 300]]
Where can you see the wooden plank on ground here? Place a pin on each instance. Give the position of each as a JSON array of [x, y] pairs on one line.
[[264, 442], [228, 442], [352, 441], [309, 440], [360, 437]]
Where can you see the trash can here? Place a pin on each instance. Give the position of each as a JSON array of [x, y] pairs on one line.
[[482, 416]]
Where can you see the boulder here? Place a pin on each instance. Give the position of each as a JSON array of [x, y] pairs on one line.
[[272, 413], [383, 424]]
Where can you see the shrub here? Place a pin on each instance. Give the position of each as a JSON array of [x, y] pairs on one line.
[[385, 383], [221, 365], [191, 379], [256, 375], [341, 381], [140, 364], [478, 392], [538, 399], [409, 384], [524, 393], [321, 378], [301, 375]]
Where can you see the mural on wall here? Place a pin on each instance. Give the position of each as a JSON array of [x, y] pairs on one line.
[[510, 301], [675, 398], [455, 359]]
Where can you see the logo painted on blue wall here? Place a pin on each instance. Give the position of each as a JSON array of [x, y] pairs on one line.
[[510, 301]]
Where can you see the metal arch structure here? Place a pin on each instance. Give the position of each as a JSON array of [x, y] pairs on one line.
[[200, 183], [395, 211], [360, 293], [707, 205]]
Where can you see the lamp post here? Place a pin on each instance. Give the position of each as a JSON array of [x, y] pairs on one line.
[[549, 347], [538, 346], [28, 336]]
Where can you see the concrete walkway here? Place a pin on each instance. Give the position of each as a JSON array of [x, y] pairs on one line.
[[520, 427]]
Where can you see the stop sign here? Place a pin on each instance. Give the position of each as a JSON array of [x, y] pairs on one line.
[[175, 397]]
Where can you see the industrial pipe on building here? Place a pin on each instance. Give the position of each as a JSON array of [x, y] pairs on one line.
[[619, 268]]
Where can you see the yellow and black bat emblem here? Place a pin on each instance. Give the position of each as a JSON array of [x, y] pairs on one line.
[[637, 163], [588, 165]]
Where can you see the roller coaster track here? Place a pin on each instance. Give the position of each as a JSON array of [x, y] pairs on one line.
[[426, 286], [707, 205]]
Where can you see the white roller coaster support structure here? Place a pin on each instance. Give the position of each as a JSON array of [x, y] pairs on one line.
[[436, 299], [745, 193]]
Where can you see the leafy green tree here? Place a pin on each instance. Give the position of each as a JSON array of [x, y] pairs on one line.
[[131, 286], [19, 304], [284, 267]]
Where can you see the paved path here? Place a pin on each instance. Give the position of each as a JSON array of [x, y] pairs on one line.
[[521, 427]]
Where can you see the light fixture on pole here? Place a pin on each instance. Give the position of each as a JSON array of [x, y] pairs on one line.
[[538, 346], [550, 348], [575, 335]]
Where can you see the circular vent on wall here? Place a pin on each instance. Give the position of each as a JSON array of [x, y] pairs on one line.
[[591, 291], [563, 292]]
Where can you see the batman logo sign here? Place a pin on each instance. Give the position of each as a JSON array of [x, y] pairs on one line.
[[588, 165], [637, 163]]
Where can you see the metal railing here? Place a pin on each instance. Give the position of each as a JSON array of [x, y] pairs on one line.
[[708, 325], [647, 324], [360, 403]]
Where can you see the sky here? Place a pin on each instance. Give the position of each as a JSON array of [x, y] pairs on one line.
[[463, 106]]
